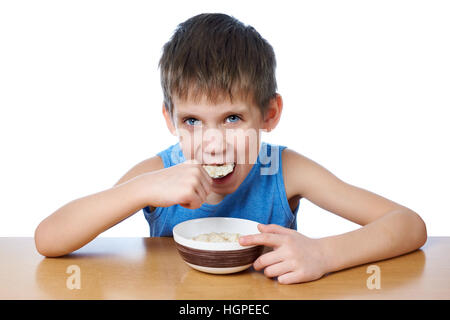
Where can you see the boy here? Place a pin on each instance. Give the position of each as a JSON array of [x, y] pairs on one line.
[[218, 80]]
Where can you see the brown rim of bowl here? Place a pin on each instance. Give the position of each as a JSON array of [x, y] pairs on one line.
[[219, 259]]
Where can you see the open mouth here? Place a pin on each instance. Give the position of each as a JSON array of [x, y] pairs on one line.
[[217, 171]]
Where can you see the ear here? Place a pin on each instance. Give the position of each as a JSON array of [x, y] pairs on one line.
[[169, 121], [273, 113]]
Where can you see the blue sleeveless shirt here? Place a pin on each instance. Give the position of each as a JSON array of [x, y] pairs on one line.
[[261, 196]]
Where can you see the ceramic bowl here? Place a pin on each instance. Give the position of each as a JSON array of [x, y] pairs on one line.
[[216, 257]]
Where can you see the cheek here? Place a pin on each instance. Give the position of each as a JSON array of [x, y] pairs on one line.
[[252, 151], [190, 143], [245, 144], [190, 151]]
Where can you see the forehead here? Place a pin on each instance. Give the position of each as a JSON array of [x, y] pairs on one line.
[[203, 106]]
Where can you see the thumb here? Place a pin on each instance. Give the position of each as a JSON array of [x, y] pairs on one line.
[[192, 161]]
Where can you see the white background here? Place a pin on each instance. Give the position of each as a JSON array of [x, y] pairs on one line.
[[366, 91]]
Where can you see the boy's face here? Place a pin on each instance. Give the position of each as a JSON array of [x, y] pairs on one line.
[[223, 133]]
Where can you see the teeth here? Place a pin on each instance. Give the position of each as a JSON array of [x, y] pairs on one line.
[[220, 170]]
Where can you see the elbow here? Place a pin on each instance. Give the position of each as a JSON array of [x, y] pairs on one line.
[[418, 228], [44, 244]]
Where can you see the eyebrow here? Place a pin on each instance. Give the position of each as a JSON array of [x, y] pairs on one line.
[[182, 114]]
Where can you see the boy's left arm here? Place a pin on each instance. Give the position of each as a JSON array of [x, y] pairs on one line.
[[389, 229]]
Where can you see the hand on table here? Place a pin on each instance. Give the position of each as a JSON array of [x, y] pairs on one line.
[[295, 257]]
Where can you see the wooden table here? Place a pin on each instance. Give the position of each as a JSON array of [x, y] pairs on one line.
[[150, 268]]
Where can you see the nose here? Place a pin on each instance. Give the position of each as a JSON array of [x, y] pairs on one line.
[[214, 146]]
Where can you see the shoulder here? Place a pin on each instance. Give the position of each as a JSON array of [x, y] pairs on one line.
[[301, 174], [172, 155], [151, 164], [290, 162]]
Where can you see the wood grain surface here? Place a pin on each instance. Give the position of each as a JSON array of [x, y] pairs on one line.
[[151, 268]]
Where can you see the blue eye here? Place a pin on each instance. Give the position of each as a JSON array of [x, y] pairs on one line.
[[191, 121], [233, 118]]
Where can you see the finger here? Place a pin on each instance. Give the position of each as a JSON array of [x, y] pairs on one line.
[[206, 181], [267, 259], [290, 277], [206, 175], [201, 193], [202, 170], [194, 200], [278, 269], [268, 239], [274, 228], [191, 161], [194, 204]]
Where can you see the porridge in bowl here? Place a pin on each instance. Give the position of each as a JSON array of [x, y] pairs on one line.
[[211, 244], [217, 237]]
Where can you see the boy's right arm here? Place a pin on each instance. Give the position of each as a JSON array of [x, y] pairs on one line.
[[147, 184]]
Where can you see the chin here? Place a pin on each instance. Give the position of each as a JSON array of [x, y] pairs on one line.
[[224, 189]]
